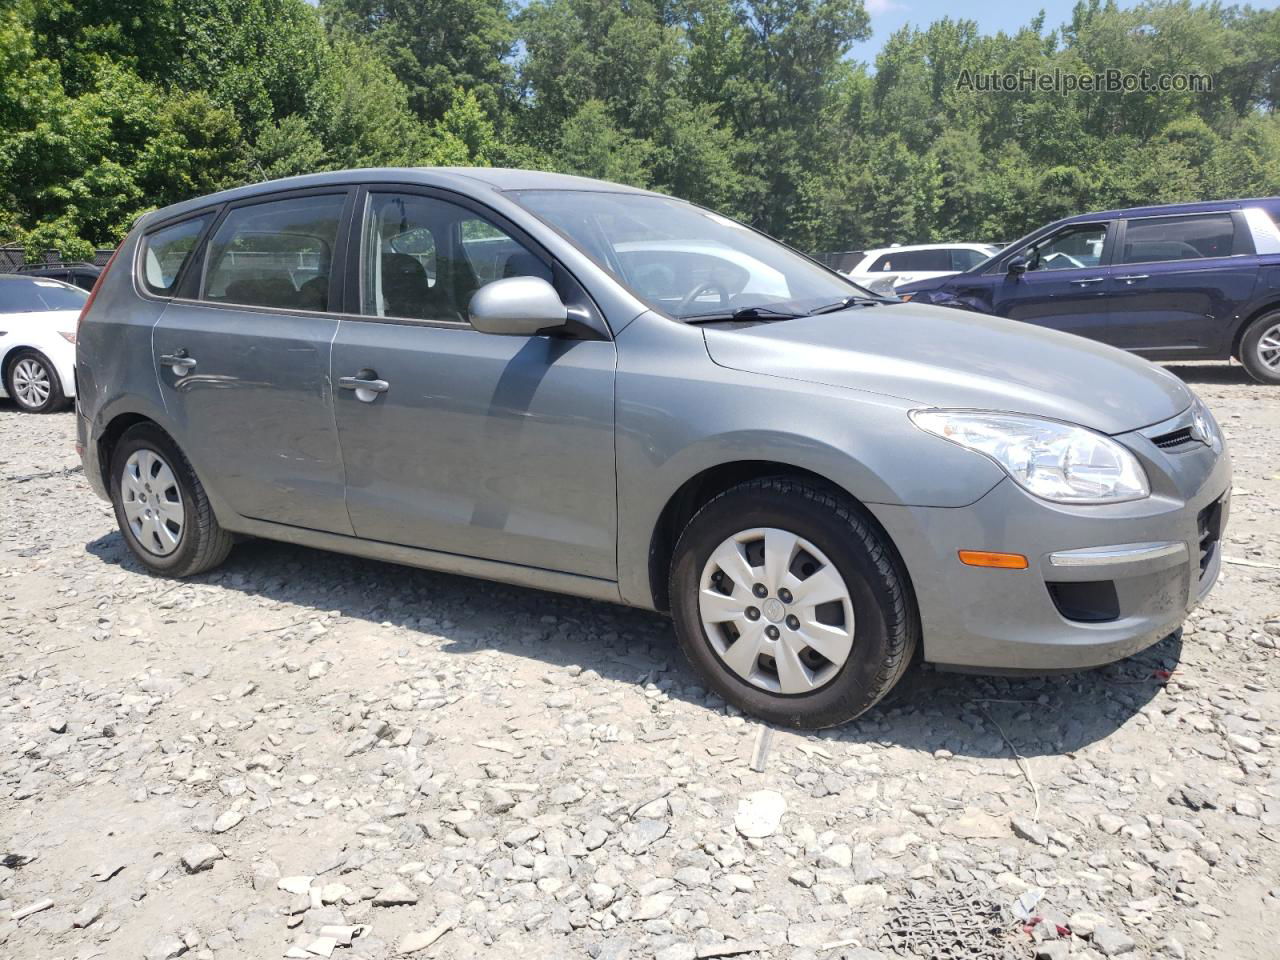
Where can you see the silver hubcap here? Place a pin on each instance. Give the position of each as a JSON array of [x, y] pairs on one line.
[[152, 502], [31, 384], [1269, 348], [776, 611]]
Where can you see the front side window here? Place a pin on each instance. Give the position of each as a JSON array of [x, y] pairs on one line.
[[275, 254], [423, 258], [165, 251], [967, 259], [1070, 249], [688, 262], [1178, 238]]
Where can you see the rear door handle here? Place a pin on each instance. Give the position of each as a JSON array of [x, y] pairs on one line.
[[366, 385], [1135, 277], [179, 361], [1087, 281]]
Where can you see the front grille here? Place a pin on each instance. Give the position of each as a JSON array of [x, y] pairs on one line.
[[1175, 439], [1209, 531]]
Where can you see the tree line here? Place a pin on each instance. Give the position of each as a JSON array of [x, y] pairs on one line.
[[109, 108]]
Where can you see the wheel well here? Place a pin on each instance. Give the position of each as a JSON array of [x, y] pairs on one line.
[[12, 354], [693, 495], [111, 436], [1244, 327]]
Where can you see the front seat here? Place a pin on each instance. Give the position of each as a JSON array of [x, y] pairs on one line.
[[405, 290]]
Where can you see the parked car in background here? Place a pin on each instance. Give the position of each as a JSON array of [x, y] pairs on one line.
[[887, 268], [83, 275], [1193, 281], [585, 387], [38, 341]]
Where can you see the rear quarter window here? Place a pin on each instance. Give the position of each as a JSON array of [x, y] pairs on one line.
[[165, 251]]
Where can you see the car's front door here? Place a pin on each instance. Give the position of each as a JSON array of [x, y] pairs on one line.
[[1065, 285], [470, 443], [243, 363], [1178, 282]]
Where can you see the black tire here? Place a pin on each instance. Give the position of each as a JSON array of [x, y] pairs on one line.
[[886, 625], [202, 543], [1249, 353], [56, 399]]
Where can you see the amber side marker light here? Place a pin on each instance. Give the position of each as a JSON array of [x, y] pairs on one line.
[[1001, 561]]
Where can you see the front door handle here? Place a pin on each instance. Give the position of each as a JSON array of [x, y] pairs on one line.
[[366, 385], [1087, 281], [1135, 277], [179, 361]]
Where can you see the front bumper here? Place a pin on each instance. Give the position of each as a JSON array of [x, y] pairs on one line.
[[1102, 583]]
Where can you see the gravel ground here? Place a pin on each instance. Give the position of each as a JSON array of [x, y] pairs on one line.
[[304, 754]]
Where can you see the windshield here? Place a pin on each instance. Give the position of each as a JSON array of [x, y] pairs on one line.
[[36, 295], [685, 261]]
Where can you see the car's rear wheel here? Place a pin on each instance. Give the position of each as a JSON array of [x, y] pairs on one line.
[[1260, 348], [161, 507], [791, 603], [32, 381]]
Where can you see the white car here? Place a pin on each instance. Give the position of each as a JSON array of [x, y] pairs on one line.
[[889, 267], [38, 341]]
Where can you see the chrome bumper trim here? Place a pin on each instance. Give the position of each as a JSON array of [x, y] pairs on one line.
[[1125, 553]]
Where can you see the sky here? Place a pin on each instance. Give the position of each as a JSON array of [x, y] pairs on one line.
[[888, 16]]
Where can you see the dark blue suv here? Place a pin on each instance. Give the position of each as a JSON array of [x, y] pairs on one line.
[[1190, 281]]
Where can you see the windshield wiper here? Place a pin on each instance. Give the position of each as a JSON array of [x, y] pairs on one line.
[[758, 312], [857, 300]]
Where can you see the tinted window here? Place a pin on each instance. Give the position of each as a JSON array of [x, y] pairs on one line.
[[966, 259], [1069, 249], [1178, 238], [902, 261], [36, 295], [165, 251], [423, 258], [275, 254]]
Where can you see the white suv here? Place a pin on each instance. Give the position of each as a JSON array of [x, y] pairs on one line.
[[884, 269]]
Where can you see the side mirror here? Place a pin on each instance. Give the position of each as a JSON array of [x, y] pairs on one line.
[[1018, 266], [517, 307]]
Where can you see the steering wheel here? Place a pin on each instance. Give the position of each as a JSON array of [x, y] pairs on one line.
[[705, 287]]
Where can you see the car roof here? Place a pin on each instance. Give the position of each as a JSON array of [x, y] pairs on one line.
[[1207, 206], [457, 178]]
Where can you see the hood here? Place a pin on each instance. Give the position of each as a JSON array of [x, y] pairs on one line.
[[939, 357], [928, 283]]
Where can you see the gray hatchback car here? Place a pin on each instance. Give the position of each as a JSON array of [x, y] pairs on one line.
[[584, 387]]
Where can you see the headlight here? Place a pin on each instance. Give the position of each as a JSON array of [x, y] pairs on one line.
[[1206, 425], [1057, 461], [70, 337]]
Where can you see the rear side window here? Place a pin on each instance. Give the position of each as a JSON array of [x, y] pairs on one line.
[[275, 254], [165, 251], [1178, 238]]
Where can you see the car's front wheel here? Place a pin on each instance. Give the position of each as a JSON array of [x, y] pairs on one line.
[[1260, 348], [161, 506], [32, 381], [791, 603]]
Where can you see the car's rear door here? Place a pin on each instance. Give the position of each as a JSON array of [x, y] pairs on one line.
[[470, 443], [1065, 283], [1178, 281], [243, 358]]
